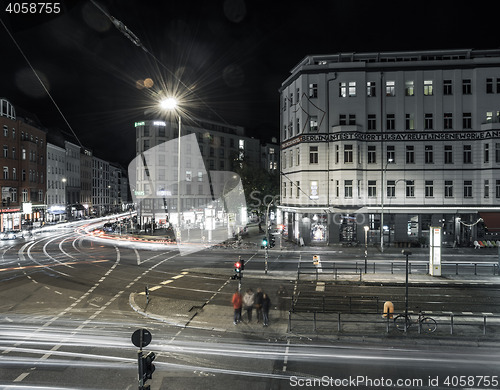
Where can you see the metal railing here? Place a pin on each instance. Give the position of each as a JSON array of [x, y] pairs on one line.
[[370, 323], [336, 269]]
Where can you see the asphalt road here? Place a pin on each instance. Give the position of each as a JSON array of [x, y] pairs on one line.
[[66, 323]]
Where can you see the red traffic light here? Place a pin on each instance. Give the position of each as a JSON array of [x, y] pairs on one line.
[[237, 265]]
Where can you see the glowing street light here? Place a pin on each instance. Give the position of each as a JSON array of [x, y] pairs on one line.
[[172, 104]]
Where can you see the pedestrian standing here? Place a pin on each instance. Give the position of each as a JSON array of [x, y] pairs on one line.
[[237, 303], [248, 302], [282, 295], [258, 304], [266, 304]]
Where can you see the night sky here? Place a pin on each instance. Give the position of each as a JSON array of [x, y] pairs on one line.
[[226, 59]]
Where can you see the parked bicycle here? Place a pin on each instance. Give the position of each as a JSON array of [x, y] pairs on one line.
[[404, 321]]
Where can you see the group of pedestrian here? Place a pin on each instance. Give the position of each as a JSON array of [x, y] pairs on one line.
[[259, 301]]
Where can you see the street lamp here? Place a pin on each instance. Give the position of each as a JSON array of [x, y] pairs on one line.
[[389, 160], [172, 104], [366, 248], [406, 253]]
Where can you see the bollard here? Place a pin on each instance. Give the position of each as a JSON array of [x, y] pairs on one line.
[[392, 268], [456, 270], [451, 323], [387, 324], [475, 268], [484, 325], [339, 325], [314, 321], [289, 320]]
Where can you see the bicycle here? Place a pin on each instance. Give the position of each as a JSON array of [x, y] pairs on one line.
[[404, 321]]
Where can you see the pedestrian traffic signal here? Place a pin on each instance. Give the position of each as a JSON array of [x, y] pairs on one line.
[[237, 267], [147, 366], [264, 242]]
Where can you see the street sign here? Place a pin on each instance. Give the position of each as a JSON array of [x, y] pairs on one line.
[[141, 338], [435, 251]]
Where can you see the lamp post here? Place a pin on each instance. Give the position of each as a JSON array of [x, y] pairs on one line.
[[171, 104], [406, 253], [366, 248], [382, 206]]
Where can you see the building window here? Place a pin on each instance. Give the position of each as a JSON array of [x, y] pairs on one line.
[[390, 88], [448, 189], [428, 88], [313, 90], [14, 174], [372, 188], [352, 88], [343, 89], [447, 87], [297, 189], [313, 123], [448, 120], [5, 151], [410, 122], [297, 126], [313, 155], [314, 190], [24, 154], [372, 122], [298, 157], [486, 153], [391, 154], [348, 154], [352, 119], [25, 195], [347, 188], [489, 85], [370, 89], [486, 188], [448, 154], [429, 154], [410, 154], [284, 189], [5, 131], [391, 188], [497, 152], [467, 188], [467, 120], [467, 87], [410, 188], [497, 189], [284, 160], [467, 154], [6, 173], [428, 122], [372, 154], [336, 154], [391, 121], [342, 119], [409, 88], [429, 188]]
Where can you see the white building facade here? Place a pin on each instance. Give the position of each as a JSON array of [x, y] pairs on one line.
[[56, 183], [412, 136]]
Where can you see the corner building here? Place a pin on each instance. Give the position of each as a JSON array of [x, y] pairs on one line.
[[412, 136]]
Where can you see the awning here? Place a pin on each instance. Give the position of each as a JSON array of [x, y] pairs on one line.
[[78, 206], [491, 221]]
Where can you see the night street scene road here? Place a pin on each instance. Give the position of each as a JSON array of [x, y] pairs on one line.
[[248, 194]]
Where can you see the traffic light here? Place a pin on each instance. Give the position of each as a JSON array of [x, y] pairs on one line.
[[242, 264], [148, 367], [271, 241], [264, 242], [237, 267]]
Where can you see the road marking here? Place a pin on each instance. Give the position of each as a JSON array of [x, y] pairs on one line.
[[21, 377], [177, 276], [154, 288], [166, 281], [285, 360], [320, 286]]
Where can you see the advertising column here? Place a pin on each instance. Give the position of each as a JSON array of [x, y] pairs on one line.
[[435, 251]]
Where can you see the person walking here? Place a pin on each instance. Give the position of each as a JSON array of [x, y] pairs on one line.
[[266, 304], [237, 303], [258, 304], [282, 295], [248, 302]]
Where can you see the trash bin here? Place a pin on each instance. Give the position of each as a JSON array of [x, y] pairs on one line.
[[388, 309]]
